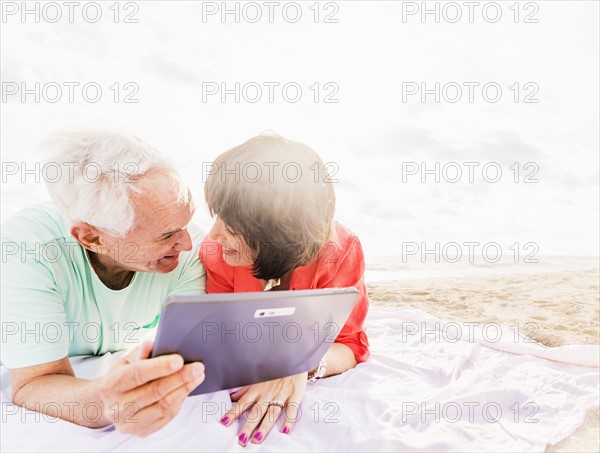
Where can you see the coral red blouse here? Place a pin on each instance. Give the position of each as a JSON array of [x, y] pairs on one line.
[[340, 264]]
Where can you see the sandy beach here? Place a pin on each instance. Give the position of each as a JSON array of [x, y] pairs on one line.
[[563, 308]]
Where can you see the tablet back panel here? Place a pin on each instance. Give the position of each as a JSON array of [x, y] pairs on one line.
[[245, 338]]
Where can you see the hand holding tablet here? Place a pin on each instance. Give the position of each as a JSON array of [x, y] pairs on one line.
[[246, 338]]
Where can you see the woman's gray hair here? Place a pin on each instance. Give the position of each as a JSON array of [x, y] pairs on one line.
[[96, 173], [286, 219]]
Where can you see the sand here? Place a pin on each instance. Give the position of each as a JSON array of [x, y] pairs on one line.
[[562, 307]]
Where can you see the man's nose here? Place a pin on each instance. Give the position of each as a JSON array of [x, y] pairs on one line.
[[184, 242]]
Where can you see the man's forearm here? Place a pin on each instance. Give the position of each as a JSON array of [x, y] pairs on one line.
[[138, 394], [66, 397]]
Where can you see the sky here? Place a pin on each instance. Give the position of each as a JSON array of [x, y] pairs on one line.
[[509, 87]]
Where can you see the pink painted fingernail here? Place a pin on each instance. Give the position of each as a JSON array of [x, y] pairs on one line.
[[243, 438], [225, 420], [286, 430], [258, 435]]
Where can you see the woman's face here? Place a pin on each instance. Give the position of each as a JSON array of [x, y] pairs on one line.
[[235, 250]]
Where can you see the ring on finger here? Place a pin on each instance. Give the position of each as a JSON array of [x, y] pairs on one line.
[[277, 403]]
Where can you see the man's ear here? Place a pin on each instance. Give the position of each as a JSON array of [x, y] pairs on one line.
[[88, 236]]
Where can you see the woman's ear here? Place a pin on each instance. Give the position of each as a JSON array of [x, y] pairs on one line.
[[87, 235]]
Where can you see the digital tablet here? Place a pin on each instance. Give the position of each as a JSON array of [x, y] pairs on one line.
[[245, 338]]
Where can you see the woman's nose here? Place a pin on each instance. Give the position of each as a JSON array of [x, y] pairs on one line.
[[216, 231]]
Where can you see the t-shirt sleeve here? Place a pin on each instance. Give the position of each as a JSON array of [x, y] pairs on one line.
[[219, 275], [350, 272], [34, 327]]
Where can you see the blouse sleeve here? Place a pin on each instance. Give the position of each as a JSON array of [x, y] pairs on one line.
[[219, 275], [350, 272]]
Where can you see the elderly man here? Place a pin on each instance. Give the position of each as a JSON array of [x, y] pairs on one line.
[[87, 275]]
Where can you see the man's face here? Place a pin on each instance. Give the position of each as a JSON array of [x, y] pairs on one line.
[[159, 235]]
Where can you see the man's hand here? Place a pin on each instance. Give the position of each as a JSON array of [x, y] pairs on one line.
[[141, 395]]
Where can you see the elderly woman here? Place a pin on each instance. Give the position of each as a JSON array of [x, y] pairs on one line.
[[273, 204]]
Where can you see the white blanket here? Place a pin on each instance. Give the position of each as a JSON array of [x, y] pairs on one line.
[[422, 390]]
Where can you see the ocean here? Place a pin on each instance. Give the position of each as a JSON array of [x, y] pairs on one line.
[[387, 268]]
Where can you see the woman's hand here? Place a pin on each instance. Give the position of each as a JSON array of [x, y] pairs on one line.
[[260, 400]]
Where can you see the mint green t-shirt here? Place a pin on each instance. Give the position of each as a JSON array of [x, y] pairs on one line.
[[53, 304]]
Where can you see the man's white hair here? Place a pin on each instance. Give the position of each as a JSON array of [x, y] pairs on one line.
[[96, 173]]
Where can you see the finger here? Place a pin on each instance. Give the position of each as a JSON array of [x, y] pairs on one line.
[[235, 396], [155, 416], [292, 413], [272, 414], [236, 411], [145, 350], [141, 352], [253, 420], [191, 374], [138, 373]]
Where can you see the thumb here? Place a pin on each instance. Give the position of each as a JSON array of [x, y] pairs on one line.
[[145, 350], [135, 355]]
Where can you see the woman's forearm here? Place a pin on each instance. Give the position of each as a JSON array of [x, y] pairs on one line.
[[339, 358]]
